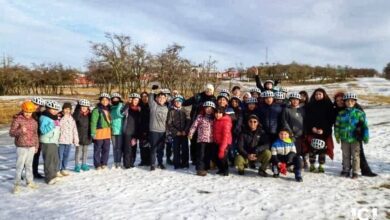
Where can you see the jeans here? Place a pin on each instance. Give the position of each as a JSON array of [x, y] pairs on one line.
[[157, 141], [117, 142], [101, 150], [180, 151], [63, 153]]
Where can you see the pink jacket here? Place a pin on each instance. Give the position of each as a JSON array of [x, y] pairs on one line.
[[68, 131], [27, 138], [204, 126]]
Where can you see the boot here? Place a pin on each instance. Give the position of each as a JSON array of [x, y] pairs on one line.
[[16, 189], [84, 167], [32, 185], [201, 173], [312, 168], [321, 169], [77, 169], [263, 173]]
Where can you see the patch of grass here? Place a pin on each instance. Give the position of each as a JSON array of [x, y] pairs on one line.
[[7, 111], [376, 99]]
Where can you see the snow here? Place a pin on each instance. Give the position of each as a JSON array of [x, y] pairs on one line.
[[179, 194]]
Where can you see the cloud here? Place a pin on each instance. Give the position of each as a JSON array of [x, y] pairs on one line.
[[354, 33]]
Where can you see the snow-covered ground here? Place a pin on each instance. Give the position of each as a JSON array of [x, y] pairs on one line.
[[180, 194]]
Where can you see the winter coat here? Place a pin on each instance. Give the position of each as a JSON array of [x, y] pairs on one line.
[[293, 119], [29, 138], [203, 124], [222, 132], [283, 147], [83, 126], [158, 115], [196, 102], [252, 142], [320, 114], [177, 121], [145, 118], [270, 118], [68, 131], [237, 122], [49, 129], [131, 121], [348, 122], [117, 118], [100, 123]]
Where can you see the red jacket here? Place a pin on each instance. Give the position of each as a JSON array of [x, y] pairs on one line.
[[222, 133]]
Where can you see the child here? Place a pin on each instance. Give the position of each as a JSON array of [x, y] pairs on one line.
[[178, 125], [101, 132], [82, 116], [222, 133], [284, 154], [270, 115], [347, 123], [49, 127], [292, 118], [68, 137], [131, 129], [116, 128], [223, 99], [157, 125], [25, 131], [203, 124], [40, 105]]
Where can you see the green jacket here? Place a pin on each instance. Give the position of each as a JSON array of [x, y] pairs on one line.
[[98, 120], [351, 126], [116, 119]]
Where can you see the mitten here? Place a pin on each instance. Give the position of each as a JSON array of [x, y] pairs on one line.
[[282, 168]]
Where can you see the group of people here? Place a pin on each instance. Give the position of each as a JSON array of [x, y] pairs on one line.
[[265, 128]]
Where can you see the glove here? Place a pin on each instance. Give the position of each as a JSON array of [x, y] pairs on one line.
[[282, 168], [221, 154]]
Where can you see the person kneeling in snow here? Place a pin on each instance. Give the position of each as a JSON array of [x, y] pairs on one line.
[[347, 123], [253, 145], [284, 154], [25, 131]]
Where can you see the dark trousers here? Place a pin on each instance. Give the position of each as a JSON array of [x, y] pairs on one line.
[[203, 155], [168, 150], [222, 164], [157, 142], [193, 149], [290, 159], [321, 156], [129, 152], [180, 151], [50, 158], [117, 147], [36, 160], [144, 151], [101, 150]]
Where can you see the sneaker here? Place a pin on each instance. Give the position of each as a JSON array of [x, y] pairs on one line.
[[344, 174], [32, 185], [38, 176], [299, 179], [84, 167], [152, 168], [201, 173], [53, 181], [59, 174], [104, 167], [276, 175], [263, 173], [312, 168], [321, 169], [241, 172], [99, 168], [355, 176], [77, 169], [161, 166], [16, 189], [65, 173]]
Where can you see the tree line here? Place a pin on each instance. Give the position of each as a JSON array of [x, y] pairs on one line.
[[120, 65]]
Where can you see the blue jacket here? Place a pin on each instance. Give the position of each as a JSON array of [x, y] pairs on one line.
[[50, 133], [117, 119], [270, 118]]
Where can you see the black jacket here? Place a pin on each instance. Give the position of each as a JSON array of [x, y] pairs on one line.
[[320, 114], [270, 118], [196, 102], [177, 121], [83, 126], [145, 117], [252, 142], [131, 121]]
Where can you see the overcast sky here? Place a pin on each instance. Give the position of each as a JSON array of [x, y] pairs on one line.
[[351, 32]]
